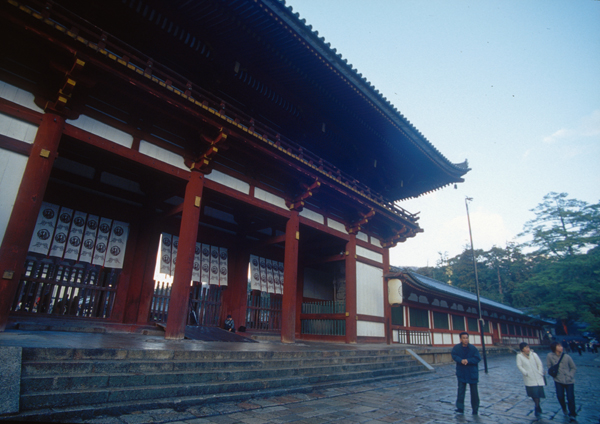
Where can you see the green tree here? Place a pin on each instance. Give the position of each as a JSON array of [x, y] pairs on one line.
[[565, 279]]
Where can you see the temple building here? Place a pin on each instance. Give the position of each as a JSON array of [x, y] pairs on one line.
[[175, 162], [432, 313]]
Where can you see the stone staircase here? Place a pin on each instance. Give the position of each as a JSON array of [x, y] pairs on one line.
[[63, 384]]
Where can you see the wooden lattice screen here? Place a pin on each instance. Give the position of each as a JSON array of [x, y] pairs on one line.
[[60, 287], [263, 311]]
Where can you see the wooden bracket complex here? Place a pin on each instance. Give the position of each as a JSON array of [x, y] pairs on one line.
[[201, 163], [297, 203], [356, 226], [65, 92]]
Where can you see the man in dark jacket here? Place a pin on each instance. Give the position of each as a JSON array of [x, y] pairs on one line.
[[467, 359]]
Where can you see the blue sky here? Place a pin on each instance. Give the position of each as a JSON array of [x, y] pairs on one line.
[[512, 86]]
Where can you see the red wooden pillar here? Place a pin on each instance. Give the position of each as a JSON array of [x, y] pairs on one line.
[[299, 300], [290, 279], [188, 234], [351, 290], [141, 286], [26, 209], [235, 296], [387, 308]]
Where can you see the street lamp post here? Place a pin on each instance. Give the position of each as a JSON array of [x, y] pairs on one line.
[[468, 199]]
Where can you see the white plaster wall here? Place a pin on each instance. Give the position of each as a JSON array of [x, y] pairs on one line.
[[395, 336], [332, 223], [369, 290], [229, 181], [370, 329], [438, 339], [102, 130], [369, 254], [162, 155], [455, 339], [313, 216], [362, 236], [375, 242], [447, 338], [18, 96], [12, 167], [265, 196], [17, 129]]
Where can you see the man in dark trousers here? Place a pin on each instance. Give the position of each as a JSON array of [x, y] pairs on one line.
[[467, 359]]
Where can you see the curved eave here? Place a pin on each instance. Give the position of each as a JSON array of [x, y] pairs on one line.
[[366, 90]]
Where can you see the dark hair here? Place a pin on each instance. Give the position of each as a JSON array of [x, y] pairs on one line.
[[553, 346], [522, 346], [464, 332]]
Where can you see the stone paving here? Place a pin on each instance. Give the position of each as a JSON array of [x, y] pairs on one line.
[[419, 400]]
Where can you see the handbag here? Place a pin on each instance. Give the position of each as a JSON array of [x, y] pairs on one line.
[[553, 370]]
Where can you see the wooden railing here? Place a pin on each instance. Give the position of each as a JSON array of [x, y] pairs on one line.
[[324, 327], [263, 311], [414, 337], [60, 287], [324, 307]]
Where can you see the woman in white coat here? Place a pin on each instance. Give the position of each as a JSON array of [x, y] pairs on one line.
[[533, 374]]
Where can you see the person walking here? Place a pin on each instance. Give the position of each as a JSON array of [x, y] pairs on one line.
[[467, 359], [528, 362], [565, 379]]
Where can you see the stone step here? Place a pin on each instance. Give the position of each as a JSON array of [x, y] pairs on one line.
[[76, 398], [41, 354], [145, 377], [84, 412], [87, 366]]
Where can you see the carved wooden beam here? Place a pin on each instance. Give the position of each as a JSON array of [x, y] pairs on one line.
[[356, 226], [298, 202], [202, 162]]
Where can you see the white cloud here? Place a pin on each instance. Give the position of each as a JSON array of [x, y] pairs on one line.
[[588, 126]]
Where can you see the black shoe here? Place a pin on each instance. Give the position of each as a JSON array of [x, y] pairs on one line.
[[475, 412], [459, 411], [565, 413]]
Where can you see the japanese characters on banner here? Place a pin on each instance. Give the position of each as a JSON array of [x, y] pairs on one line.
[[75, 235], [61, 232], [266, 275], [210, 262], [44, 229]]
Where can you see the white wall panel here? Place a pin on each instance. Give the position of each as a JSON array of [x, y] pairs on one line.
[[313, 216], [438, 339], [370, 329], [229, 181], [102, 130], [375, 242], [369, 290], [455, 339], [17, 129], [369, 254], [332, 223], [162, 155], [12, 167], [265, 196], [447, 338], [18, 96], [362, 236]]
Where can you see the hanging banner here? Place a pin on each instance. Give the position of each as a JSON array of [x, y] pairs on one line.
[[214, 265], [63, 225], [116, 245], [205, 274], [44, 229], [197, 262], [75, 238], [222, 266], [102, 241], [254, 273], [165, 253], [89, 239], [270, 278], [280, 265], [263, 274], [174, 246], [276, 279]]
